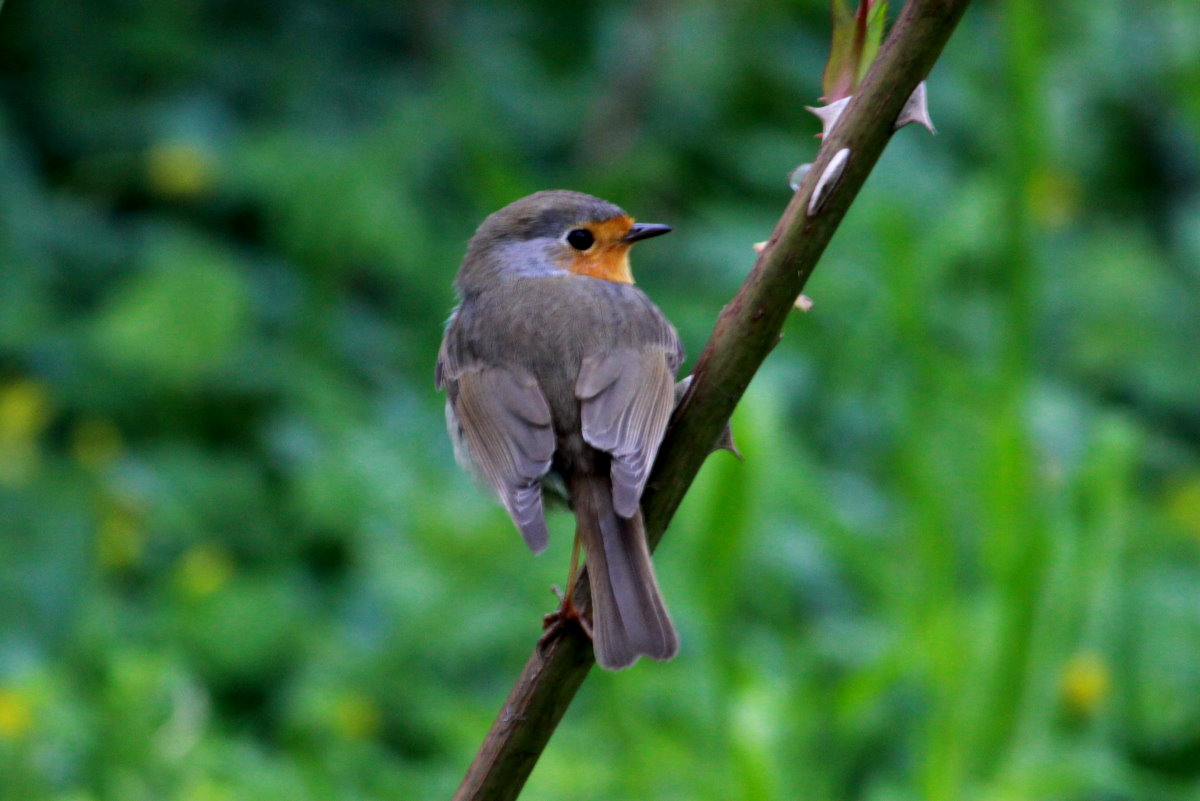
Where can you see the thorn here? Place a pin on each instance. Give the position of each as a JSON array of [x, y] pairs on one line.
[[797, 176], [916, 109], [829, 115], [759, 247], [725, 442], [681, 388], [828, 180], [804, 303], [725, 438]]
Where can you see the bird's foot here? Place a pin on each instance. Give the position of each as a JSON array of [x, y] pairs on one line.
[[554, 623]]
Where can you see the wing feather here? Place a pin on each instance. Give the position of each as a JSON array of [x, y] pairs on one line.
[[504, 422], [627, 396]]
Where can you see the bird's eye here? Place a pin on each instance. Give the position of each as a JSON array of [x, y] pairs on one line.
[[581, 239]]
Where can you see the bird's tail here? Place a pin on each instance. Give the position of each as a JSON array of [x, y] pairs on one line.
[[628, 615]]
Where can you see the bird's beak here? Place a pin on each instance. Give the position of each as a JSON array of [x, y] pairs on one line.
[[641, 231]]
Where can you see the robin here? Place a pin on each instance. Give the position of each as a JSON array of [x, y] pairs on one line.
[[560, 373]]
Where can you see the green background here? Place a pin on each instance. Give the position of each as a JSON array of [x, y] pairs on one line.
[[960, 561]]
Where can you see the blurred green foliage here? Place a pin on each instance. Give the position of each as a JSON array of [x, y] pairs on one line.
[[960, 561]]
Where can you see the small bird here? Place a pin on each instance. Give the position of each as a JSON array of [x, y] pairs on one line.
[[560, 373]]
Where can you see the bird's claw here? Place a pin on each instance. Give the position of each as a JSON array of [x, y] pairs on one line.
[[555, 622]]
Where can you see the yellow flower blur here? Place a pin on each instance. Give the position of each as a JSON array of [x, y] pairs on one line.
[[1086, 682], [16, 714], [178, 170]]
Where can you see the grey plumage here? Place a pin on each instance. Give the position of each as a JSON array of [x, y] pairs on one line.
[[546, 371], [627, 395]]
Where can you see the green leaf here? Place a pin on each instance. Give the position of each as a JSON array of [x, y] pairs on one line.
[[856, 39], [840, 71]]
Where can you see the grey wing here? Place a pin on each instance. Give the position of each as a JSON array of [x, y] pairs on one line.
[[627, 396], [504, 421]]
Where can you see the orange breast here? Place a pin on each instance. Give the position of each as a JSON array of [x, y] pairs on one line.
[[610, 263]]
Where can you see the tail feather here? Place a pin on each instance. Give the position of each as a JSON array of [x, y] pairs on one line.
[[629, 618]]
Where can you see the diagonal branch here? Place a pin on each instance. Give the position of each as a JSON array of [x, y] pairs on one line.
[[746, 331]]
